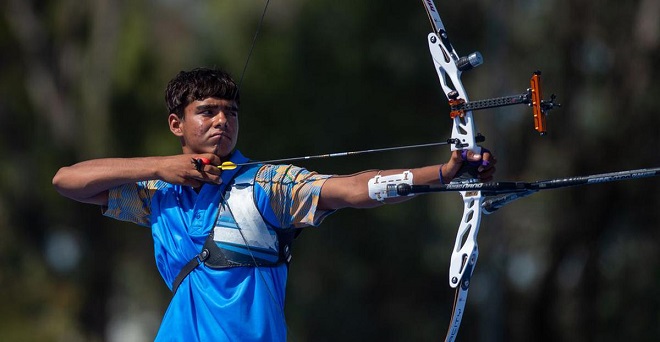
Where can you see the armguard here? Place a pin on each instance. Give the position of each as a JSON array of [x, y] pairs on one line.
[[382, 187]]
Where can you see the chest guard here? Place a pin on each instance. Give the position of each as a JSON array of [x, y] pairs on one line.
[[240, 235]]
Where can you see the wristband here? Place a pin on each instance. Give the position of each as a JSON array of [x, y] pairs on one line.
[[442, 181]]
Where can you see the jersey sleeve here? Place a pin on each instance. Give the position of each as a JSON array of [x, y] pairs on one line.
[[132, 202], [292, 194]]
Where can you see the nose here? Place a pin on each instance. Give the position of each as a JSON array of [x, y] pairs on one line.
[[220, 120]]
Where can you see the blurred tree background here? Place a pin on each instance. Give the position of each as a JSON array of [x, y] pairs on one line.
[[82, 80]]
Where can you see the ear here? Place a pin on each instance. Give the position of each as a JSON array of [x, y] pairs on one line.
[[175, 124]]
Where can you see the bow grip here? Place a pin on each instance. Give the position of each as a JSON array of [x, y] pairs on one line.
[[468, 173]]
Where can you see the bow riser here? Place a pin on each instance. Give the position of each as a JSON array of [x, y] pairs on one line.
[[447, 70]]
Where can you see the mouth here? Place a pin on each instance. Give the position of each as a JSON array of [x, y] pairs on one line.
[[219, 136]]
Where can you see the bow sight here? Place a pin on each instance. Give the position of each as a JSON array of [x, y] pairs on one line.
[[532, 97]]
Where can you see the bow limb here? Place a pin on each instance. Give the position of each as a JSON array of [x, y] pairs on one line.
[[464, 256]]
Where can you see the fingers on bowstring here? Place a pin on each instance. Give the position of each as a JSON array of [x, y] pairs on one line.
[[206, 170]]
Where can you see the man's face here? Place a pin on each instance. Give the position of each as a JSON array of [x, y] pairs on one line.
[[209, 126]]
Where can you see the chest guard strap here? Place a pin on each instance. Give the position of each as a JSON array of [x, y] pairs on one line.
[[240, 236]]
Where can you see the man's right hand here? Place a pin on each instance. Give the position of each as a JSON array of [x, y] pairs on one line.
[[183, 170]]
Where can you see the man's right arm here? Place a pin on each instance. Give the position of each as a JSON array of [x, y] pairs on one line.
[[89, 181]]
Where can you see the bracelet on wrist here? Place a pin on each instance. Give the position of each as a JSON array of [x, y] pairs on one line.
[[442, 181]]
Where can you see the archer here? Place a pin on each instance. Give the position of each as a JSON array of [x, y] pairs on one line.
[[222, 239]]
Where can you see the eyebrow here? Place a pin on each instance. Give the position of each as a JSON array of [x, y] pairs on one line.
[[216, 106]]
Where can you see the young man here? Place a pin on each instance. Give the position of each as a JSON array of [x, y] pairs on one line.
[[211, 228]]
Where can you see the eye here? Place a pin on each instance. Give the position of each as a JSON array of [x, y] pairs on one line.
[[206, 111], [230, 111]]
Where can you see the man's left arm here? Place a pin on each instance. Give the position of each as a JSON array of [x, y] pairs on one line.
[[353, 191]]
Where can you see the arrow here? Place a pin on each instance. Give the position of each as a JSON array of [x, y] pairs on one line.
[[228, 165]]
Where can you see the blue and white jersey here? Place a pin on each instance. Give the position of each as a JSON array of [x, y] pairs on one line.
[[230, 304]]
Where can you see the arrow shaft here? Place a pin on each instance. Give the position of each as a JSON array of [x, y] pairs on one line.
[[348, 153]]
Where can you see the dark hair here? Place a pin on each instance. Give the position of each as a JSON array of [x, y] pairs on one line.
[[198, 84]]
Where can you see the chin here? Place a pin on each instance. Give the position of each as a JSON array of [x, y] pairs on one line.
[[222, 152]]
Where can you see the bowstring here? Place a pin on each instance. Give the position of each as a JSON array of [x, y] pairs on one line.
[[223, 195], [254, 43]]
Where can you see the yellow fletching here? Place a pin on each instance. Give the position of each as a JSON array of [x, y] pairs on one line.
[[227, 166]]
